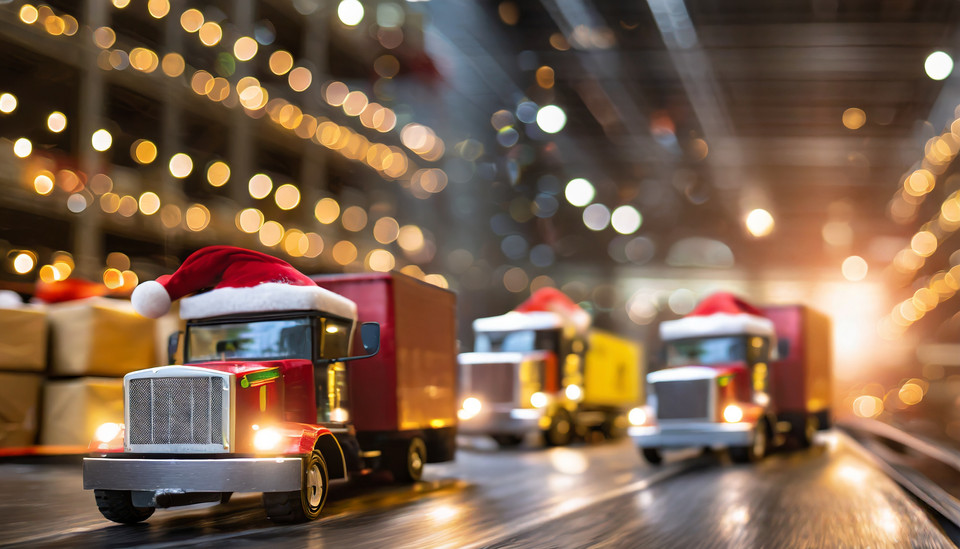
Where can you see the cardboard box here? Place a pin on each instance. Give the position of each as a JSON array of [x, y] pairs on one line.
[[74, 408], [100, 337], [19, 408], [23, 339]]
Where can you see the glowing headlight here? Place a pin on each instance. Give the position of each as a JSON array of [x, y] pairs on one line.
[[732, 413], [573, 392], [471, 406], [538, 400], [637, 416], [107, 432], [339, 415], [266, 439]]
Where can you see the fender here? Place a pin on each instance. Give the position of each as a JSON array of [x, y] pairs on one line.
[[303, 438]]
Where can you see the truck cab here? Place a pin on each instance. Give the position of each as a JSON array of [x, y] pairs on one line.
[[543, 368], [714, 388], [524, 375]]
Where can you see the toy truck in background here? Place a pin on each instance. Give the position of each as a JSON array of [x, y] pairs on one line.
[[265, 401], [725, 385], [542, 368]]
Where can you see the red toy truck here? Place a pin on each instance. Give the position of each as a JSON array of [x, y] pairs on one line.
[[724, 384], [265, 402]]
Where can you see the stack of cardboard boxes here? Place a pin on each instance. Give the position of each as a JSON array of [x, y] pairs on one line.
[[23, 360], [71, 384]]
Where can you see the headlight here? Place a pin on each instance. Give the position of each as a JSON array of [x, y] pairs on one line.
[[538, 400], [637, 416], [266, 439], [573, 392], [732, 413], [471, 406], [107, 432]]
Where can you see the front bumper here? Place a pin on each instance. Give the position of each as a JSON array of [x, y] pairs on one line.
[[692, 434], [517, 421], [280, 474]]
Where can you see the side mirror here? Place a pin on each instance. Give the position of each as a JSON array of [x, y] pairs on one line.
[[173, 343], [783, 348], [370, 337]]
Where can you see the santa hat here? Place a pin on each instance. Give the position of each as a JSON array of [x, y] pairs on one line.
[[719, 314], [230, 280], [554, 301]]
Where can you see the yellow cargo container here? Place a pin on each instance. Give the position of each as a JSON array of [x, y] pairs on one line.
[[613, 370]]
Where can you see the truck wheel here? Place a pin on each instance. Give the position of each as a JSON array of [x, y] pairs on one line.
[[303, 504], [508, 441], [756, 450], [806, 430], [560, 432], [652, 455], [117, 505], [407, 460]]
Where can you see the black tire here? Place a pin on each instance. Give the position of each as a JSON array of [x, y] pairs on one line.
[[117, 505], [652, 455], [805, 430], [508, 441], [561, 430], [306, 503], [612, 428], [756, 450], [406, 460]]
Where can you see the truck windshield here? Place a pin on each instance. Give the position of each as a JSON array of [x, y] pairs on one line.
[[714, 350], [268, 339], [519, 341]]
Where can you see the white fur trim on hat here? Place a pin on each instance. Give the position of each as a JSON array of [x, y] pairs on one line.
[[536, 320], [716, 325], [150, 299], [269, 296]]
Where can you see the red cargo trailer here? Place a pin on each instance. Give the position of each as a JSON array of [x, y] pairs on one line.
[[801, 376], [408, 389]]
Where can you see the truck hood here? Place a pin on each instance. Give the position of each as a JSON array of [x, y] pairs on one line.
[[501, 358], [677, 373], [239, 368]]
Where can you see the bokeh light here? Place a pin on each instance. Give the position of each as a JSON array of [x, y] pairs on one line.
[[938, 65], [854, 268], [759, 222], [579, 192]]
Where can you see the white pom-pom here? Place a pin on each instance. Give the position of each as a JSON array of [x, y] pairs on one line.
[[150, 299]]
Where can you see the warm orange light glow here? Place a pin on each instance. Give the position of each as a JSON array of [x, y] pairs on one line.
[[854, 268], [197, 217], [245, 48], [300, 79], [250, 220], [8, 103], [867, 406], [210, 33], [180, 165], [281, 62], [143, 151], [924, 243], [854, 118], [172, 64], [271, 233], [327, 211], [56, 122], [149, 203], [191, 20], [218, 173], [344, 252], [759, 223], [287, 196]]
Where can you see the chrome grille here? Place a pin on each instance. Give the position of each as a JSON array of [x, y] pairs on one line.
[[492, 383], [176, 411], [684, 399]]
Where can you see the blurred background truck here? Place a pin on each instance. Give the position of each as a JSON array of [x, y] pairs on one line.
[[738, 377], [543, 368]]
